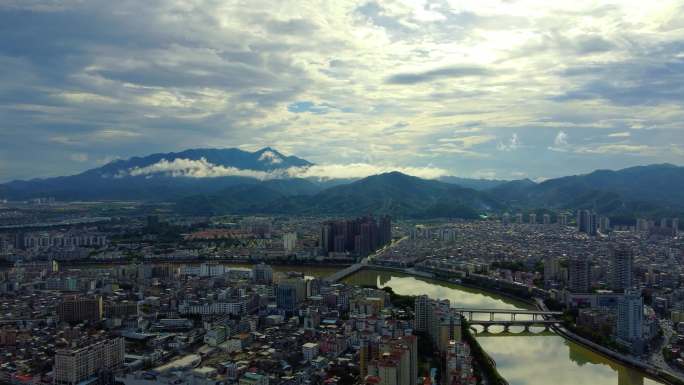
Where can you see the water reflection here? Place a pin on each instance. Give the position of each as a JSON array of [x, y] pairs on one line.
[[523, 359]]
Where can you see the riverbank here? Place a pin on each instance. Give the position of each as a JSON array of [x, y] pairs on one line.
[[648, 370], [486, 364]]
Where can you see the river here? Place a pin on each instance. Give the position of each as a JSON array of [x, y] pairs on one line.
[[544, 359]]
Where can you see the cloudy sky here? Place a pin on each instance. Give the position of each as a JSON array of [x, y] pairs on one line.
[[483, 88]]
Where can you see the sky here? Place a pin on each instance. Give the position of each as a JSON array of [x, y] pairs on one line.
[[488, 89]]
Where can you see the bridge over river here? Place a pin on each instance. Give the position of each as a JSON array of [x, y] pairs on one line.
[[508, 318]]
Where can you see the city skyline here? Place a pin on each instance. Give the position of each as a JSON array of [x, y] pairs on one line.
[[474, 89]]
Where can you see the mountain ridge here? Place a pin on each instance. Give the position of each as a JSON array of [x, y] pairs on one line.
[[228, 175]]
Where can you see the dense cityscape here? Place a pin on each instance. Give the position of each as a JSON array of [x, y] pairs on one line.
[[341, 192], [165, 299]]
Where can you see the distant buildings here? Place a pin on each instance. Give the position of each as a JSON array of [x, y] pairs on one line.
[[604, 224], [587, 222], [360, 236], [289, 242]]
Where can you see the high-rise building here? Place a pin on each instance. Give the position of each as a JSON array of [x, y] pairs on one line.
[[552, 268], [421, 309], [286, 297], [438, 320], [289, 241], [74, 308], [630, 316], [587, 222], [290, 293], [519, 218], [360, 236], [262, 273], [642, 224], [533, 219], [604, 224], [74, 365], [579, 272], [546, 218], [563, 219], [622, 262], [675, 227], [385, 231]]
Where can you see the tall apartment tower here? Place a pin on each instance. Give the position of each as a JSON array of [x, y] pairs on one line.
[[533, 219], [289, 241], [587, 222], [421, 309], [622, 263], [579, 272], [546, 218], [630, 316], [552, 268]]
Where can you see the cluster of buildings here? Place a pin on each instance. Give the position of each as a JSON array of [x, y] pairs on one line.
[[145, 324], [360, 236], [601, 271], [54, 244]]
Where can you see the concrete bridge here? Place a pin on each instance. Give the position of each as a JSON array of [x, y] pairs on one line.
[[341, 274], [531, 318]]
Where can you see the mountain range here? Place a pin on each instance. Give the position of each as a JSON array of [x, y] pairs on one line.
[[219, 181]]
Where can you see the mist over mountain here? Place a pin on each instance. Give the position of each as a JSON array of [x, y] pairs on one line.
[[162, 176], [221, 181]]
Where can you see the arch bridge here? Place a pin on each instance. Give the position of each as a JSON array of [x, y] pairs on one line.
[[508, 318]]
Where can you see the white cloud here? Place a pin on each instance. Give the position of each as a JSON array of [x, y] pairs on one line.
[[511, 145], [191, 168], [361, 170], [270, 157], [619, 135], [561, 139], [201, 168]]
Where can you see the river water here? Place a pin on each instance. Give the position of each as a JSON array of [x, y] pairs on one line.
[[544, 359]]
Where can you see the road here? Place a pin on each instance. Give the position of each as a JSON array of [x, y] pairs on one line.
[[656, 358]]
